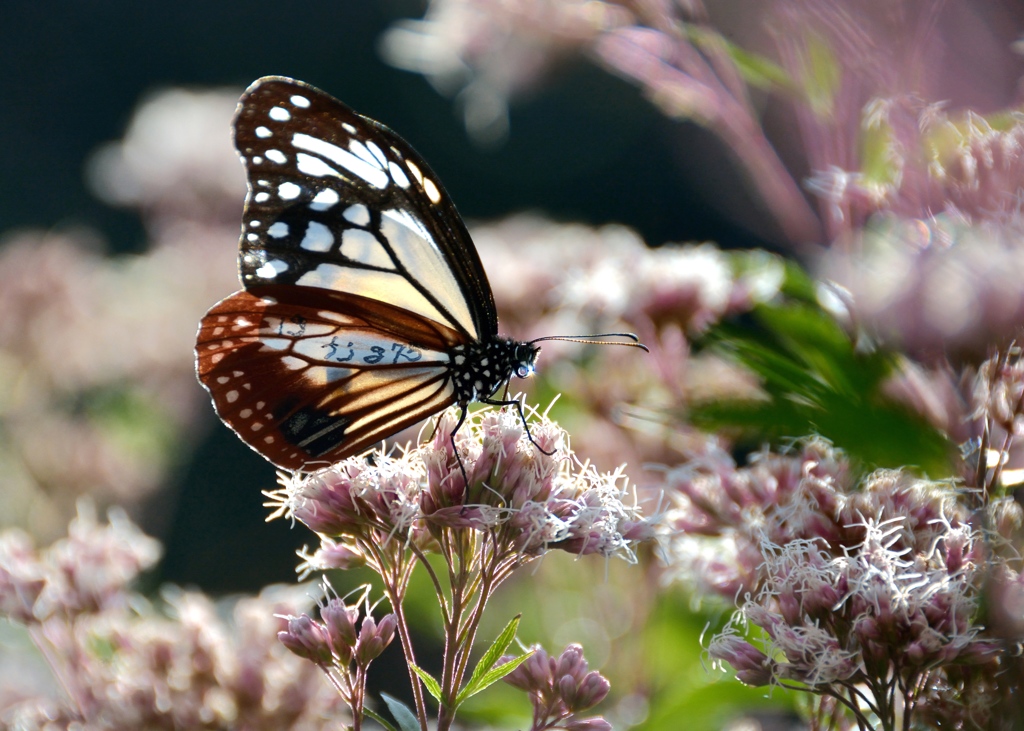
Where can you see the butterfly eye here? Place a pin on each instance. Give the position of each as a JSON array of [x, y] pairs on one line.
[[523, 371]]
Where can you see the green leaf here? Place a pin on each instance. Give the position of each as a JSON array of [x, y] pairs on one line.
[[407, 720], [432, 686], [492, 676], [815, 379], [493, 654]]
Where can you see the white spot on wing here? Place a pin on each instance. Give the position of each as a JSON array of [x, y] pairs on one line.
[[300, 101], [261, 197], [428, 186], [415, 171], [358, 214], [279, 230], [271, 269], [336, 374], [279, 114], [252, 237], [318, 237], [363, 153], [355, 165], [324, 199], [288, 191], [398, 175], [314, 166], [263, 132], [275, 344], [276, 156], [362, 246], [349, 128], [377, 153], [333, 316]]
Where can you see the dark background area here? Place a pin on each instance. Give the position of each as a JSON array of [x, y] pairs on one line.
[[583, 147]]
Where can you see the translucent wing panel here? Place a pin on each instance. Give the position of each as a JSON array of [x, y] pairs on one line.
[[302, 385], [339, 202]]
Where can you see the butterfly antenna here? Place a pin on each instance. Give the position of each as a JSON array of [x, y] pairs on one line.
[[634, 341]]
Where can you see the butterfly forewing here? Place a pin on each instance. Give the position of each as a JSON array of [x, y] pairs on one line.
[[336, 201]]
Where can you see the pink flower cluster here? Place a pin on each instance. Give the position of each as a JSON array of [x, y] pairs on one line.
[[124, 663], [560, 688], [335, 645], [527, 501], [868, 590]]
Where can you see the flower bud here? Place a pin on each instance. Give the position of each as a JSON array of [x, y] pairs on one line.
[[531, 675], [339, 621], [339, 556], [386, 628], [306, 638], [589, 693], [571, 663], [373, 638], [752, 666]]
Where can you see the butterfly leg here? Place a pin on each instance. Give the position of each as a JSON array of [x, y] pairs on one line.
[[462, 467], [519, 407]]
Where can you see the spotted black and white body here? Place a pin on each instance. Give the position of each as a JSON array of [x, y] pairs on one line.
[[479, 369], [365, 307]]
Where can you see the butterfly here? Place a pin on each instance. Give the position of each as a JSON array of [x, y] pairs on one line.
[[365, 308]]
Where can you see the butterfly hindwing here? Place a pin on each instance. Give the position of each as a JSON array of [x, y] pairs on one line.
[[301, 382], [337, 201]]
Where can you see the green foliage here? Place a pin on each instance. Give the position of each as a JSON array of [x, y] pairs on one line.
[[132, 419], [816, 379], [429, 682], [685, 693], [485, 674], [400, 712]]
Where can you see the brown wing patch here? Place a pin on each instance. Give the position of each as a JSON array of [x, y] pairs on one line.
[[321, 380]]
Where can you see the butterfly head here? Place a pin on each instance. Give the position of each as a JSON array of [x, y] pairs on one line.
[[524, 358]]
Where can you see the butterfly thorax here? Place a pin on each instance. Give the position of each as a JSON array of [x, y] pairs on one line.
[[479, 368]]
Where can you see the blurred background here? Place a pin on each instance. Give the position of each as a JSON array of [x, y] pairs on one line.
[[83, 230], [121, 197]]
